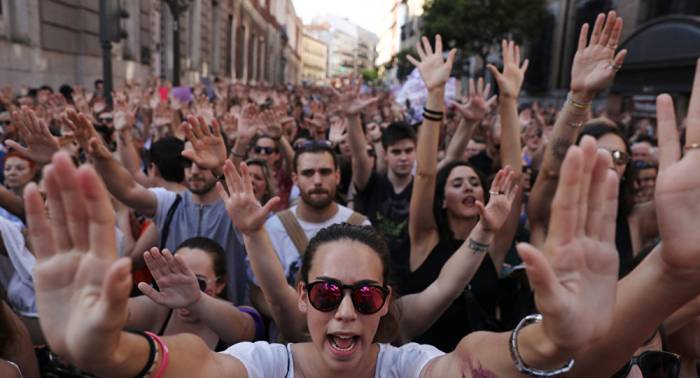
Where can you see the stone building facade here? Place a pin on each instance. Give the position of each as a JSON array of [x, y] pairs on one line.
[[57, 41], [314, 57]]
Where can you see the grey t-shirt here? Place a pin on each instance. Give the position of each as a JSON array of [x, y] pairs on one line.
[[211, 221]]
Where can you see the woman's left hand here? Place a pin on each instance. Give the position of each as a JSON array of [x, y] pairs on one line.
[[502, 193], [575, 276], [177, 284]]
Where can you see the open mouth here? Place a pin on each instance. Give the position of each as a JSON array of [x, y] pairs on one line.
[[342, 344], [469, 201]]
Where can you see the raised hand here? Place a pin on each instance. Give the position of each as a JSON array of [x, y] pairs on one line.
[[575, 277], [271, 125], [246, 213], [595, 62], [475, 106], [501, 195], [348, 97], [338, 131], [208, 147], [86, 135], [41, 145], [81, 287], [511, 79], [177, 284], [433, 68], [677, 196], [248, 122]]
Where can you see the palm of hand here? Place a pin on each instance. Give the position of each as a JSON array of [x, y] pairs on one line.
[[587, 274], [475, 109], [677, 202], [211, 151], [247, 126], [591, 69], [177, 290], [434, 71], [43, 148], [75, 279], [245, 212], [496, 212], [511, 81]]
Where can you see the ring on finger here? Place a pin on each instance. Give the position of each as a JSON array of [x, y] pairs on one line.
[[494, 192], [692, 146]]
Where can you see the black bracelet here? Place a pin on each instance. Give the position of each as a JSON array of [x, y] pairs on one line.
[[433, 112], [432, 117], [151, 355]]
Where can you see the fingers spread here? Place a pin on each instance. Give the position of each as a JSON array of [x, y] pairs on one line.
[[100, 213], [40, 232], [583, 37], [564, 213], [539, 272], [669, 149]]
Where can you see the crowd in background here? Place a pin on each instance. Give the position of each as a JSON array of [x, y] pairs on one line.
[[213, 188]]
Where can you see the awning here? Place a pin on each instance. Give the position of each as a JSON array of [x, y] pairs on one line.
[[661, 57]]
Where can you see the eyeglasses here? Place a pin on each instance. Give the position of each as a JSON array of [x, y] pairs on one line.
[[327, 295], [202, 282], [619, 157], [653, 364], [265, 150]]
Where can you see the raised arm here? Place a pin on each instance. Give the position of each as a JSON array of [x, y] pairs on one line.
[[474, 107], [594, 67], [118, 180], [82, 289], [574, 279], [435, 71], [670, 276], [248, 125], [41, 145], [421, 310], [130, 158], [271, 124], [352, 105], [178, 288], [509, 82], [249, 217]]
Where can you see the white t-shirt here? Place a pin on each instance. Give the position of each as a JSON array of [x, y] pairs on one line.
[[265, 360], [284, 246]]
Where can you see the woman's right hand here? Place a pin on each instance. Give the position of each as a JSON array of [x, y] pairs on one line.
[[81, 287], [432, 67], [246, 213], [595, 63], [177, 284]]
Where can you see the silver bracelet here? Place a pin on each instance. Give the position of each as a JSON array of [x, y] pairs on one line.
[[477, 247], [518, 361]]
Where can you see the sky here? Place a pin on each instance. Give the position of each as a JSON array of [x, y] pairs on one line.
[[365, 13]]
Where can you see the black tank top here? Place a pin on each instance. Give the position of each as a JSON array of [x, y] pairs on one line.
[[220, 345], [473, 311]]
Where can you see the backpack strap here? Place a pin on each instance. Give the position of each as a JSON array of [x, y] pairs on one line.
[[294, 230], [168, 219], [356, 219]]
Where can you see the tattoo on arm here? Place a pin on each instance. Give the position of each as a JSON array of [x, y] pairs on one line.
[[559, 148]]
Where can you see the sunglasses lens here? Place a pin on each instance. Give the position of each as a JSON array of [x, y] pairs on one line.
[[325, 296], [368, 299], [620, 158], [659, 365]]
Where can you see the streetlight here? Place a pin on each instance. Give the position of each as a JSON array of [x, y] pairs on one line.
[[177, 7]]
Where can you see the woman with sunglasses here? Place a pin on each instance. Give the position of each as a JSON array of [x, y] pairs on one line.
[[191, 286], [82, 291]]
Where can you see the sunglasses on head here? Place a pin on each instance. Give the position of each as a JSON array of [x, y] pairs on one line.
[[264, 150], [653, 364], [313, 143], [327, 295]]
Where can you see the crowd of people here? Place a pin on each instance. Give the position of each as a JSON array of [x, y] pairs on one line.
[[250, 231]]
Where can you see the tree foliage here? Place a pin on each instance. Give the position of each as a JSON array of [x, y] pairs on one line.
[[477, 25], [404, 67]]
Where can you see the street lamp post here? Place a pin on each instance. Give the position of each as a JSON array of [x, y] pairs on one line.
[[177, 7]]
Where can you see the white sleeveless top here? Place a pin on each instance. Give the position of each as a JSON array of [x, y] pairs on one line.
[[264, 360]]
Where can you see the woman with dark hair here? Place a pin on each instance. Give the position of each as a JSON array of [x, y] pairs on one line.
[[636, 224], [190, 283], [83, 289], [447, 216]]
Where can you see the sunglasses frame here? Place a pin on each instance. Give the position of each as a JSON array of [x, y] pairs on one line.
[[638, 359], [343, 289], [267, 150]]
